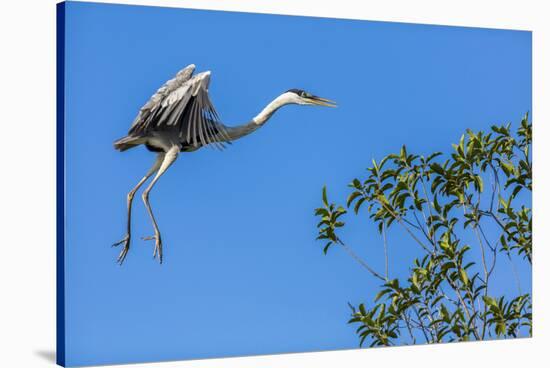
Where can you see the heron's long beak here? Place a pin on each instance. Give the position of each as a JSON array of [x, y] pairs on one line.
[[321, 101]]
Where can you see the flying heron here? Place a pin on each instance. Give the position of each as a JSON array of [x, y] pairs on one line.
[[180, 117]]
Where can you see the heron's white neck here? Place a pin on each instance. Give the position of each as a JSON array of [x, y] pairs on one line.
[[264, 115], [259, 120]]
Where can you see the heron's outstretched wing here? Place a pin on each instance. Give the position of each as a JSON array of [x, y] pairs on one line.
[[183, 106], [143, 119]]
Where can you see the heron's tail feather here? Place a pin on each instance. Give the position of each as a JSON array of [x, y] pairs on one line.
[[127, 142]]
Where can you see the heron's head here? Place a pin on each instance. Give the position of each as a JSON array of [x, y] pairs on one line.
[[301, 97]]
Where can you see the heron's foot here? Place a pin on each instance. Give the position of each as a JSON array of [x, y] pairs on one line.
[[125, 242], [158, 245]]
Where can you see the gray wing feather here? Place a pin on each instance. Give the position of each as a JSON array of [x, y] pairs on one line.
[[183, 103], [149, 110]]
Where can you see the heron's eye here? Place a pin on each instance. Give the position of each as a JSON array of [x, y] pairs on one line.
[[305, 94]]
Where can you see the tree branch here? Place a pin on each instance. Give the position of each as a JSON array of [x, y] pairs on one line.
[[360, 261]]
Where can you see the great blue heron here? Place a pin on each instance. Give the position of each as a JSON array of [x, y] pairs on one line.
[[180, 117]]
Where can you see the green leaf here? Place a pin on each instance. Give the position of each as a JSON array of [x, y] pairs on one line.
[[489, 301], [517, 189], [375, 166], [507, 167], [352, 197], [479, 183], [461, 143], [358, 205], [381, 294], [464, 277], [414, 279], [500, 328], [437, 169], [433, 155], [325, 200], [436, 204]]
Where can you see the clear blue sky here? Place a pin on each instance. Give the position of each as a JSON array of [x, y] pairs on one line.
[[243, 274]]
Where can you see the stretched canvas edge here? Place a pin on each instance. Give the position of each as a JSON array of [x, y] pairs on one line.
[[60, 186]]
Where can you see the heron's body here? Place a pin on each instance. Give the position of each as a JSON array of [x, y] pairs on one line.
[[180, 117]]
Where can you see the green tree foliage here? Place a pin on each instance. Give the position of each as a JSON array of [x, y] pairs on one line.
[[480, 189]]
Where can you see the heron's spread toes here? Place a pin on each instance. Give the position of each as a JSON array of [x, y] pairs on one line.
[[158, 245], [125, 248]]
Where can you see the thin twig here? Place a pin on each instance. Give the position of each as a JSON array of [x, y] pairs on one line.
[[515, 272], [400, 220], [387, 267], [423, 231], [466, 310], [359, 260], [422, 327]]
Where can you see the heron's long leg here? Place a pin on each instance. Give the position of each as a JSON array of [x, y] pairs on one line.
[[130, 198], [169, 159]]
